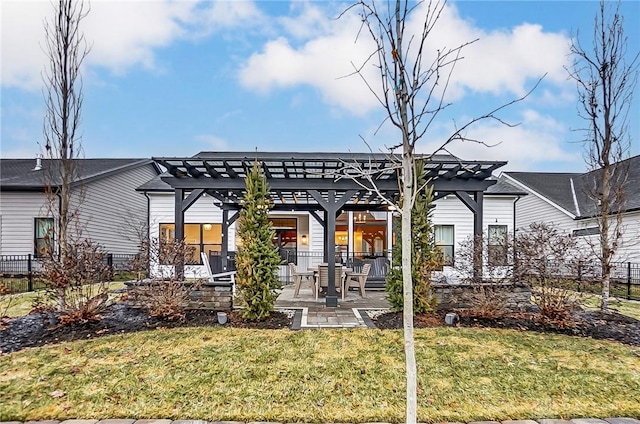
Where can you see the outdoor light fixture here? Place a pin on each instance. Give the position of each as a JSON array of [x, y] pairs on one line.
[[304, 239], [207, 227]]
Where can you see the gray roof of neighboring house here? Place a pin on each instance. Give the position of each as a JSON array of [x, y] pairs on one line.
[[156, 184], [504, 187], [21, 175], [570, 191]]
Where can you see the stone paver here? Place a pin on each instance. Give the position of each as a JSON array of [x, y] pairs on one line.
[[79, 422], [116, 421], [484, 422], [520, 422], [622, 421], [152, 421], [553, 421], [43, 422], [587, 421]]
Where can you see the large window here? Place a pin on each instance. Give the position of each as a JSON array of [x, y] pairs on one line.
[[286, 237], [497, 245], [205, 238], [43, 237], [444, 237]]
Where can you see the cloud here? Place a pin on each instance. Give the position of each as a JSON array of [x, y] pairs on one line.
[[503, 61], [122, 34], [538, 142], [212, 142]]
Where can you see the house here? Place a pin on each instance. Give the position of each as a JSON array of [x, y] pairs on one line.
[[109, 210], [563, 199], [320, 213]]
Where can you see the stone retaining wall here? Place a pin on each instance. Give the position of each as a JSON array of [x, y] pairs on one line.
[[512, 296], [214, 296]]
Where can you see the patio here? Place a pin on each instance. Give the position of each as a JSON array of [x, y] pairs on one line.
[[311, 313]]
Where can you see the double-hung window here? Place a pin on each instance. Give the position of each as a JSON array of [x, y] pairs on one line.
[[43, 237], [444, 238], [497, 245]]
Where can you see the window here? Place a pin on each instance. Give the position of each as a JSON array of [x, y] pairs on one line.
[[205, 238], [589, 231], [43, 237], [497, 245], [444, 237], [286, 237]]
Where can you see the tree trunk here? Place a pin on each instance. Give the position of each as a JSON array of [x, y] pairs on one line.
[[407, 285]]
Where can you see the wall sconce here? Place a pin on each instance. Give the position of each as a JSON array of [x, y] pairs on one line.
[[304, 239], [207, 227]]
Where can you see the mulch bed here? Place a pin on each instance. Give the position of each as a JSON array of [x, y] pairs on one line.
[[595, 324], [42, 328]]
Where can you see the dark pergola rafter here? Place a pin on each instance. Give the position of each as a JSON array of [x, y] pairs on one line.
[[319, 182]]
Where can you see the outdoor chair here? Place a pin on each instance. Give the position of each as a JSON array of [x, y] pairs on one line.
[[300, 277], [323, 278], [229, 276], [357, 279]]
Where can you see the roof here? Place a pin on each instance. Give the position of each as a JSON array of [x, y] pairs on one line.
[[570, 191], [21, 175], [293, 176], [503, 187]]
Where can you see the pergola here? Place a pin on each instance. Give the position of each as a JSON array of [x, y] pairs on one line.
[[323, 184]]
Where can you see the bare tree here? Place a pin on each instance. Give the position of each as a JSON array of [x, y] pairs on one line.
[[411, 88], [66, 50], [606, 82]]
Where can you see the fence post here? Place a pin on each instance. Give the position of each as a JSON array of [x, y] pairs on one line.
[[110, 264], [29, 274], [628, 280]]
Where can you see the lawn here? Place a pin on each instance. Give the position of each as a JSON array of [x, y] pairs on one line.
[[465, 374], [20, 304]]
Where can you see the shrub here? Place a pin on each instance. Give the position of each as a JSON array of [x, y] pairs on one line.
[[257, 259], [76, 281], [425, 257]]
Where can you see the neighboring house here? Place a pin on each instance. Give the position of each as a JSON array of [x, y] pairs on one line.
[[110, 210], [562, 199], [361, 232]]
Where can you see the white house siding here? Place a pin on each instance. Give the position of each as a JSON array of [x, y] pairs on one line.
[[18, 211], [111, 209], [531, 208], [629, 248]]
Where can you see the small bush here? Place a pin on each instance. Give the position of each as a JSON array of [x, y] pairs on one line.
[[76, 281]]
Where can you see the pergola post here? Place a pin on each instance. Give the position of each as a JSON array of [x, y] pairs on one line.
[[179, 229], [475, 205]]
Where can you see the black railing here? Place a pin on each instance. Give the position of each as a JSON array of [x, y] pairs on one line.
[[587, 277], [23, 273]]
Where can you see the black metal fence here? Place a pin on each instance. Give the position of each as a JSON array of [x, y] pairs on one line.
[[23, 273], [587, 277]]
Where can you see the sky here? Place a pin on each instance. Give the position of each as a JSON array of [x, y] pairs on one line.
[[173, 78]]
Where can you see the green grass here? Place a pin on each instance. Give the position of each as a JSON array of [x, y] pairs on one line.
[[20, 304], [465, 374], [629, 308]]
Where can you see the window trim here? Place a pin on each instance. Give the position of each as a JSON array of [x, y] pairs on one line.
[[451, 261], [503, 260], [51, 231], [200, 246]]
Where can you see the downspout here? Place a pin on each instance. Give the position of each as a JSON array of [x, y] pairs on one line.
[[58, 248], [514, 229], [148, 240]]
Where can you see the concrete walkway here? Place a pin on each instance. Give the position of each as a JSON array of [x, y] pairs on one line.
[[312, 313], [162, 421]]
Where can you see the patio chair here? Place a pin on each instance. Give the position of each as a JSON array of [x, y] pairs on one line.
[[300, 277], [229, 276], [323, 278], [357, 279]]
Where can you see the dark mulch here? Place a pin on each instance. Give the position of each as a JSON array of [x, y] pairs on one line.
[[595, 324], [42, 328]]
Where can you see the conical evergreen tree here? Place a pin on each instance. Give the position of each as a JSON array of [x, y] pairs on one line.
[[257, 259], [425, 256]]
